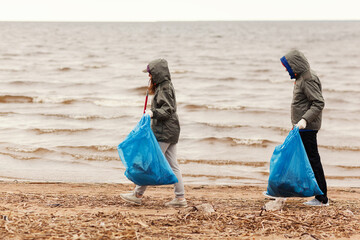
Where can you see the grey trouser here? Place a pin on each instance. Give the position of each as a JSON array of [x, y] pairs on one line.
[[169, 151]]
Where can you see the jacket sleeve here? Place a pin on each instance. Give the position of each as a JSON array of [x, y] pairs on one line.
[[312, 90], [165, 105]]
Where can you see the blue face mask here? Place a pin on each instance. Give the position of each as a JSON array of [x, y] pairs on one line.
[[287, 66]]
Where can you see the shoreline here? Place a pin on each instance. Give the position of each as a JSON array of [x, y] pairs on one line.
[[37, 210]]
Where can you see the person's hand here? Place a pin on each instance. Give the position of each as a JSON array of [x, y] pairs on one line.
[[149, 112], [301, 124]]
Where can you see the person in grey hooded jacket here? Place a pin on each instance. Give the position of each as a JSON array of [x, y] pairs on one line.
[[166, 127], [306, 113]]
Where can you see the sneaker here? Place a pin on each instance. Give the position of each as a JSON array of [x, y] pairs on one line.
[[131, 198], [268, 196], [176, 203], [316, 203]]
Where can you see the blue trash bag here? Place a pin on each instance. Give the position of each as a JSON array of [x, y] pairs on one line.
[[142, 156], [291, 174]]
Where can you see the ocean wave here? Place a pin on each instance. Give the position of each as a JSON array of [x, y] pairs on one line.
[[11, 178], [210, 107], [341, 148], [228, 79], [239, 141], [330, 62], [231, 126], [54, 130], [231, 108], [91, 55], [277, 129], [349, 167], [64, 69], [179, 72], [223, 162], [338, 100], [16, 99], [224, 126], [55, 100], [333, 90], [140, 90], [17, 156], [97, 148], [215, 177], [95, 66], [253, 142], [26, 153], [11, 55], [351, 67], [57, 85], [6, 113], [12, 70], [83, 117], [342, 177], [213, 59], [37, 150], [116, 103], [38, 99], [64, 100], [94, 157], [37, 53], [262, 70], [264, 79], [18, 82]]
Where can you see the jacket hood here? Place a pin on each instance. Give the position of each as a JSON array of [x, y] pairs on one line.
[[159, 71], [296, 63]]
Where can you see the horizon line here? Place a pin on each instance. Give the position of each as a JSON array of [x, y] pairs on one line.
[[159, 21]]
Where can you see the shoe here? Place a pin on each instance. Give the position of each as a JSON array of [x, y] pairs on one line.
[[316, 203], [131, 198], [176, 203], [268, 196]]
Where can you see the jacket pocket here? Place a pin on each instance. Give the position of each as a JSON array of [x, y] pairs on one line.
[[157, 127]]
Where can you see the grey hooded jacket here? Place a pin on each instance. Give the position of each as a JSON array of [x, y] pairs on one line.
[[307, 102], [165, 121]]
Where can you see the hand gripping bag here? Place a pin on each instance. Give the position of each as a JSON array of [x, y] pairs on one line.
[[142, 157], [291, 174]]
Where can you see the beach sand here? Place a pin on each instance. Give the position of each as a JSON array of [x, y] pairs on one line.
[[96, 211]]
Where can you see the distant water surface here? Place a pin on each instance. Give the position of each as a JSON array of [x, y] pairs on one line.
[[71, 92]]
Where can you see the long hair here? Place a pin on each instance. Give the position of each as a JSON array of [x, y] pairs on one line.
[[152, 87]]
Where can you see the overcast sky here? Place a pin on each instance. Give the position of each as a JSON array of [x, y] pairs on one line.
[[177, 10]]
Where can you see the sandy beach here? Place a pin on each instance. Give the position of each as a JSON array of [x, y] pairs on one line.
[[96, 211]]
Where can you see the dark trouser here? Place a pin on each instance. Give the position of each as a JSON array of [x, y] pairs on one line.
[[310, 143]]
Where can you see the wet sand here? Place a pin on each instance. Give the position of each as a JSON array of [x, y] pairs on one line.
[[95, 211]]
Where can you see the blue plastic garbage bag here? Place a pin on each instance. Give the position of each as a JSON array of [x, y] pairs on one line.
[[291, 174], [142, 156]]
